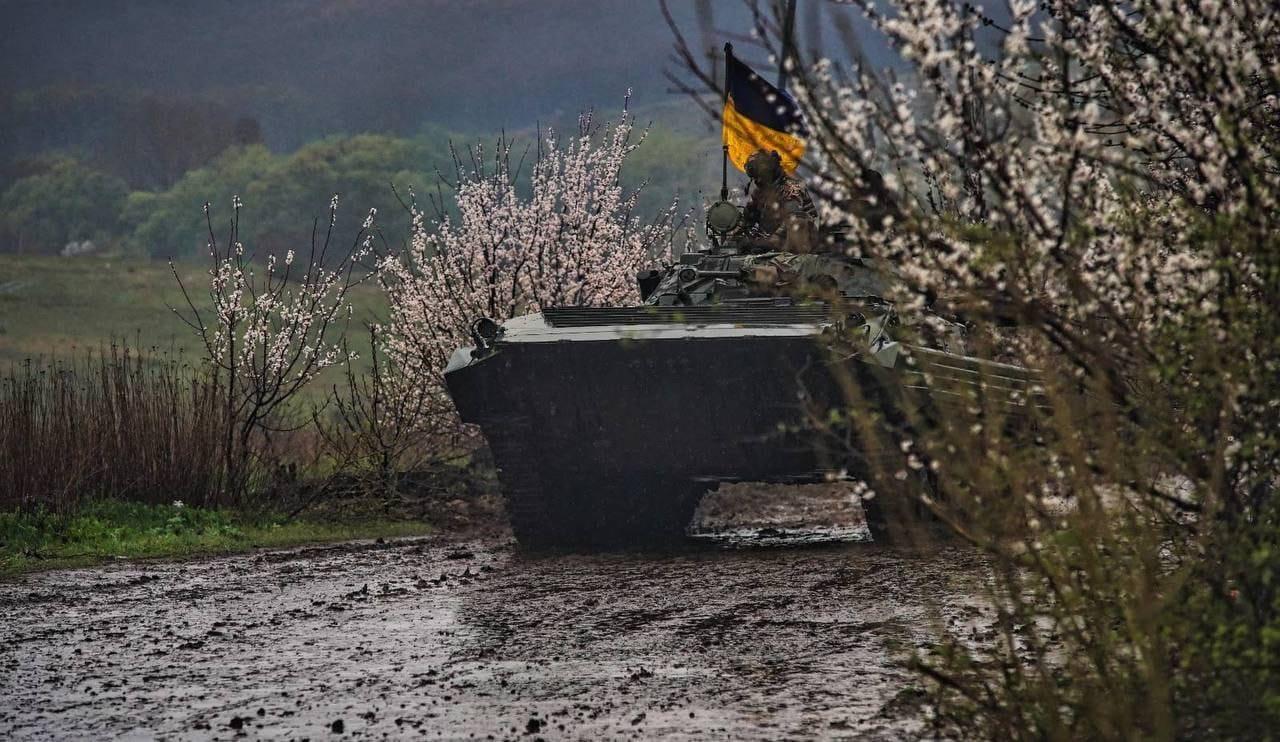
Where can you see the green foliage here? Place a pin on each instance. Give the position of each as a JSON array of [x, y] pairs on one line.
[[362, 169], [285, 194], [669, 163], [172, 223], [106, 529], [1135, 550], [1226, 626], [66, 202]]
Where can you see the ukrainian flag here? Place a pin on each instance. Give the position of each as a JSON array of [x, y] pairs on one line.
[[759, 116]]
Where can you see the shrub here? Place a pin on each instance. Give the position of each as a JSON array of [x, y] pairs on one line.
[[118, 423], [270, 332], [67, 202], [286, 192], [170, 224], [498, 250], [1098, 179]]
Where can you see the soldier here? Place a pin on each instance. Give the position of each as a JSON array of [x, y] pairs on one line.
[[789, 274], [780, 216]]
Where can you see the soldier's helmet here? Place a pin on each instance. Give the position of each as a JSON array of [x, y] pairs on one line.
[[764, 166]]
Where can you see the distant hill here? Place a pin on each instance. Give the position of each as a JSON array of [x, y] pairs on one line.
[[303, 69], [308, 68]]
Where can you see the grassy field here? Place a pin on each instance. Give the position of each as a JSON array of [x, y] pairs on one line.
[[56, 307], [106, 530]]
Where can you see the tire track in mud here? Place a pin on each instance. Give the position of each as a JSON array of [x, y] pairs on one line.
[[472, 640]]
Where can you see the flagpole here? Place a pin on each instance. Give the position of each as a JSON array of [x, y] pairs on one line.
[[724, 149]]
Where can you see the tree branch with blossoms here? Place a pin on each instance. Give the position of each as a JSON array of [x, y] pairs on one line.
[[571, 239], [1099, 181], [272, 328]]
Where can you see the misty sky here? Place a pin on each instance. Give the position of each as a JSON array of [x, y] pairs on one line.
[[349, 65], [312, 67]]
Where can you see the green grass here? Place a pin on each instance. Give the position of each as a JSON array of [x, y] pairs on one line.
[[55, 307], [106, 530], [52, 306]]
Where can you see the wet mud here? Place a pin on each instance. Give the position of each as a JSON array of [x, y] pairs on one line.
[[449, 639]]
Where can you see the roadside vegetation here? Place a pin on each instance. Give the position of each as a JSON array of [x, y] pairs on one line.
[[103, 530], [1091, 188], [303, 390]]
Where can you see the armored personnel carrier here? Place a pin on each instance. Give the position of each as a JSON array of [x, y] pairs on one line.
[[609, 424]]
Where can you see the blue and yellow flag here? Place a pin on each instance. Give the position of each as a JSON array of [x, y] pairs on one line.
[[759, 116]]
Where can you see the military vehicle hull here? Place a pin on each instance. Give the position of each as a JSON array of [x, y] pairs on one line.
[[607, 425]]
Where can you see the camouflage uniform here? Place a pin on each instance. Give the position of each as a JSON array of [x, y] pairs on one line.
[[785, 273], [780, 212]]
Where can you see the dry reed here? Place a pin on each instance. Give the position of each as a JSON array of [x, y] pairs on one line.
[[119, 422]]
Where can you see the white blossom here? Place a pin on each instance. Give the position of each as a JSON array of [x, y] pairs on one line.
[[572, 240]]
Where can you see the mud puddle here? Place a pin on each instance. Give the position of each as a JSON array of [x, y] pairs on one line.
[[475, 640], [746, 516]]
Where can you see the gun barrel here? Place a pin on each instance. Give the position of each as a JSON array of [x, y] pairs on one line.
[[689, 275]]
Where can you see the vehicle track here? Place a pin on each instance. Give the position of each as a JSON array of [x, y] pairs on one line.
[[461, 640]]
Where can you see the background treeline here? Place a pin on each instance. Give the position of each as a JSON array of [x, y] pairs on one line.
[[151, 205], [113, 118]]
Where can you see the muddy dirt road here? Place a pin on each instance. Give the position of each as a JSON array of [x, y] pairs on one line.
[[461, 640]]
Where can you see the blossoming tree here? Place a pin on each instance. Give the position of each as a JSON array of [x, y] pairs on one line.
[[570, 236], [271, 330], [1100, 177]]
